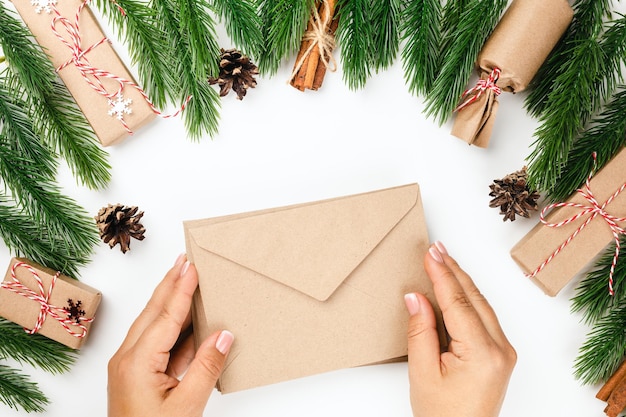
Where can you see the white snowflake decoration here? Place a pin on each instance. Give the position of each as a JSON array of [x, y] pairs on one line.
[[43, 5], [119, 107]]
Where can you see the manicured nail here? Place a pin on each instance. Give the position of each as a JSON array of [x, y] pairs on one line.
[[412, 303], [435, 254], [180, 259], [183, 271], [442, 249], [224, 342]]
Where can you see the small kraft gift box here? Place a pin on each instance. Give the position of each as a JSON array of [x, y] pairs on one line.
[[48, 303], [577, 230], [89, 66]]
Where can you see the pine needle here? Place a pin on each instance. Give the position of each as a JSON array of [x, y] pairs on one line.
[[592, 294], [355, 36], [57, 119], [604, 348], [148, 46], [569, 108], [283, 23], [385, 19], [201, 114], [606, 136], [475, 24], [586, 24], [35, 350], [32, 240], [421, 32], [17, 391], [243, 25], [27, 169]]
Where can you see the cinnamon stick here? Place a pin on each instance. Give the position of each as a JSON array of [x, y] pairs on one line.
[[612, 383], [320, 72], [307, 74], [617, 400]]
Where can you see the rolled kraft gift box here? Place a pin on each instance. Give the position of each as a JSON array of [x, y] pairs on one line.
[[518, 46]]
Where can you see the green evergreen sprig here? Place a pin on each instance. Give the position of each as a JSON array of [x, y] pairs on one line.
[[17, 391], [606, 136], [385, 33], [475, 23], [604, 348], [201, 114], [586, 24], [57, 119], [421, 31], [35, 350], [355, 34], [283, 24], [592, 297], [243, 24], [570, 107]]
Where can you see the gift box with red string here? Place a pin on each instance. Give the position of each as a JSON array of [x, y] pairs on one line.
[[46, 302], [102, 86], [575, 231]]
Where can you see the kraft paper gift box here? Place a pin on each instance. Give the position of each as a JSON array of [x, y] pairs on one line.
[[518, 46], [310, 288], [536, 247], [94, 105], [74, 318]]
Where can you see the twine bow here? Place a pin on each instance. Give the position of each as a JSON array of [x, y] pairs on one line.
[[473, 94], [595, 209], [43, 298], [92, 75], [319, 36]]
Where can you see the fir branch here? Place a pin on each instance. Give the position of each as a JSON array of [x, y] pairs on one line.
[[450, 19], [283, 23], [26, 238], [148, 46], [606, 137], [198, 27], [201, 114], [35, 350], [243, 24], [604, 348], [57, 120], [355, 35], [570, 107], [586, 24], [474, 27], [26, 169], [385, 16], [592, 297], [17, 391], [421, 32]]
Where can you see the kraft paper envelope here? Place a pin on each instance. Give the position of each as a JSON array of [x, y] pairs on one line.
[[310, 288]]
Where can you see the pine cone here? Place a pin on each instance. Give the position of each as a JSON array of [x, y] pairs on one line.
[[118, 223], [236, 72], [513, 196]]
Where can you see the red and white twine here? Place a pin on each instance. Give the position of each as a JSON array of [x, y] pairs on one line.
[[76, 329], [473, 94], [93, 76], [594, 209]]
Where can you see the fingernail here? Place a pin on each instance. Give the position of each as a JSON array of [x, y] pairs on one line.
[[412, 303], [442, 249], [180, 259], [183, 271], [435, 254], [224, 342]]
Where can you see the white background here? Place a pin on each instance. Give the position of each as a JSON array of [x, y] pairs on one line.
[[280, 146]]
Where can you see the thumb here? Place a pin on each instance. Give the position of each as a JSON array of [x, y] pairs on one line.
[[423, 339], [205, 369]]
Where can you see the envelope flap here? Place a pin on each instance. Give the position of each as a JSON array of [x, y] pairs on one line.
[[314, 247]]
